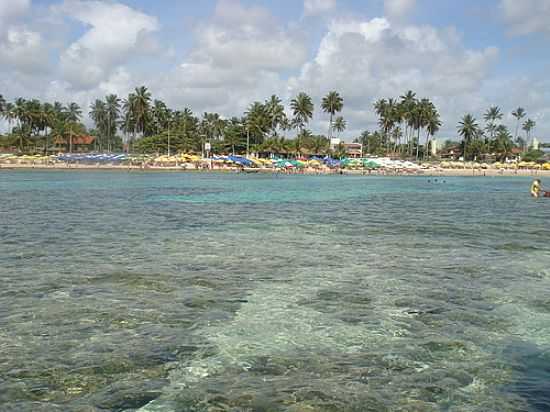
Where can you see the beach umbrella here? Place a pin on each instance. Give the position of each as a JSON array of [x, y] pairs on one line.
[[371, 164]]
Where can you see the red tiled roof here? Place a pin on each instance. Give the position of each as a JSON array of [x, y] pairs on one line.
[[85, 140]]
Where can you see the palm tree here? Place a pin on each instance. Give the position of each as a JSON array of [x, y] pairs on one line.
[[20, 113], [527, 127], [319, 145], [98, 114], [128, 122], [73, 112], [276, 112], [468, 129], [160, 115], [519, 114], [302, 109], [112, 107], [332, 103], [503, 143], [364, 139], [72, 116], [385, 117], [340, 151], [141, 109], [48, 122], [3, 104], [491, 116], [9, 114], [433, 124], [422, 112], [406, 108], [298, 144], [340, 124], [233, 134], [257, 123]]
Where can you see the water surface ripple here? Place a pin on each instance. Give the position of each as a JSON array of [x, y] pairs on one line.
[[211, 292]]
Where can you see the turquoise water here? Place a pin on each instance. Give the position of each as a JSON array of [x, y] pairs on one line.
[[211, 292]]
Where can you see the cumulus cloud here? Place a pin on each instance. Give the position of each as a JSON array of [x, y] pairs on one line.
[[243, 53], [315, 7], [366, 60], [117, 33], [12, 9], [526, 16], [398, 8], [21, 48], [238, 56]]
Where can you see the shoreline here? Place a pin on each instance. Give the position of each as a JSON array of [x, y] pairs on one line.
[[387, 173]]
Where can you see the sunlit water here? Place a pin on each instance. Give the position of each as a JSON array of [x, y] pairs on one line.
[[210, 292]]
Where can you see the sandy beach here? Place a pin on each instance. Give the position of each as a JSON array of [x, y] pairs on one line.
[[308, 171]]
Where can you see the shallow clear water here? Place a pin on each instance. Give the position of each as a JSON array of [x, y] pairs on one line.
[[195, 292]]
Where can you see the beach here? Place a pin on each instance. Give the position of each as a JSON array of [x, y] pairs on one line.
[[308, 171]]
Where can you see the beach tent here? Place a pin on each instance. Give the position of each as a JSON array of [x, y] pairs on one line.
[[330, 162], [240, 160]]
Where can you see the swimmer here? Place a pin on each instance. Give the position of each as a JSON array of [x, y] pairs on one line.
[[536, 188]]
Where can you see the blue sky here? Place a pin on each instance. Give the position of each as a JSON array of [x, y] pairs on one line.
[[220, 55]]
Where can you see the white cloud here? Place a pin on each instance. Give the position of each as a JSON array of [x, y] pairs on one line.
[[21, 48], [10, 9], [315, 7], [526, 16], [367, 60], [237, 58], [242, 54], [117, 33], [398, 8]]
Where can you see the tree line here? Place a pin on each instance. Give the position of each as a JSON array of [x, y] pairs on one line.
[[406, 127], [494, 136]]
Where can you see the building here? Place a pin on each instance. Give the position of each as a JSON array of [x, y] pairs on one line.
[[79, 143], [353, 150], [453, 152]]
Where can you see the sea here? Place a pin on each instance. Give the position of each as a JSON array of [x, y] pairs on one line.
[[159, 291]]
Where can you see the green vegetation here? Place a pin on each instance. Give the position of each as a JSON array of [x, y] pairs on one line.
[[533, 155], [407, 127]]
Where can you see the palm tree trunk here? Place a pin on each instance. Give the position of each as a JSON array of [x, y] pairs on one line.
[[426, 147], [109, 135], [247, 142], [20, 136], [417, 143]]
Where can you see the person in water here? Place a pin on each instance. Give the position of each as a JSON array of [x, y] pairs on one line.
[[536, 189]]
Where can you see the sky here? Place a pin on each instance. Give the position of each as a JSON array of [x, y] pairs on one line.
[[221, 55]]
